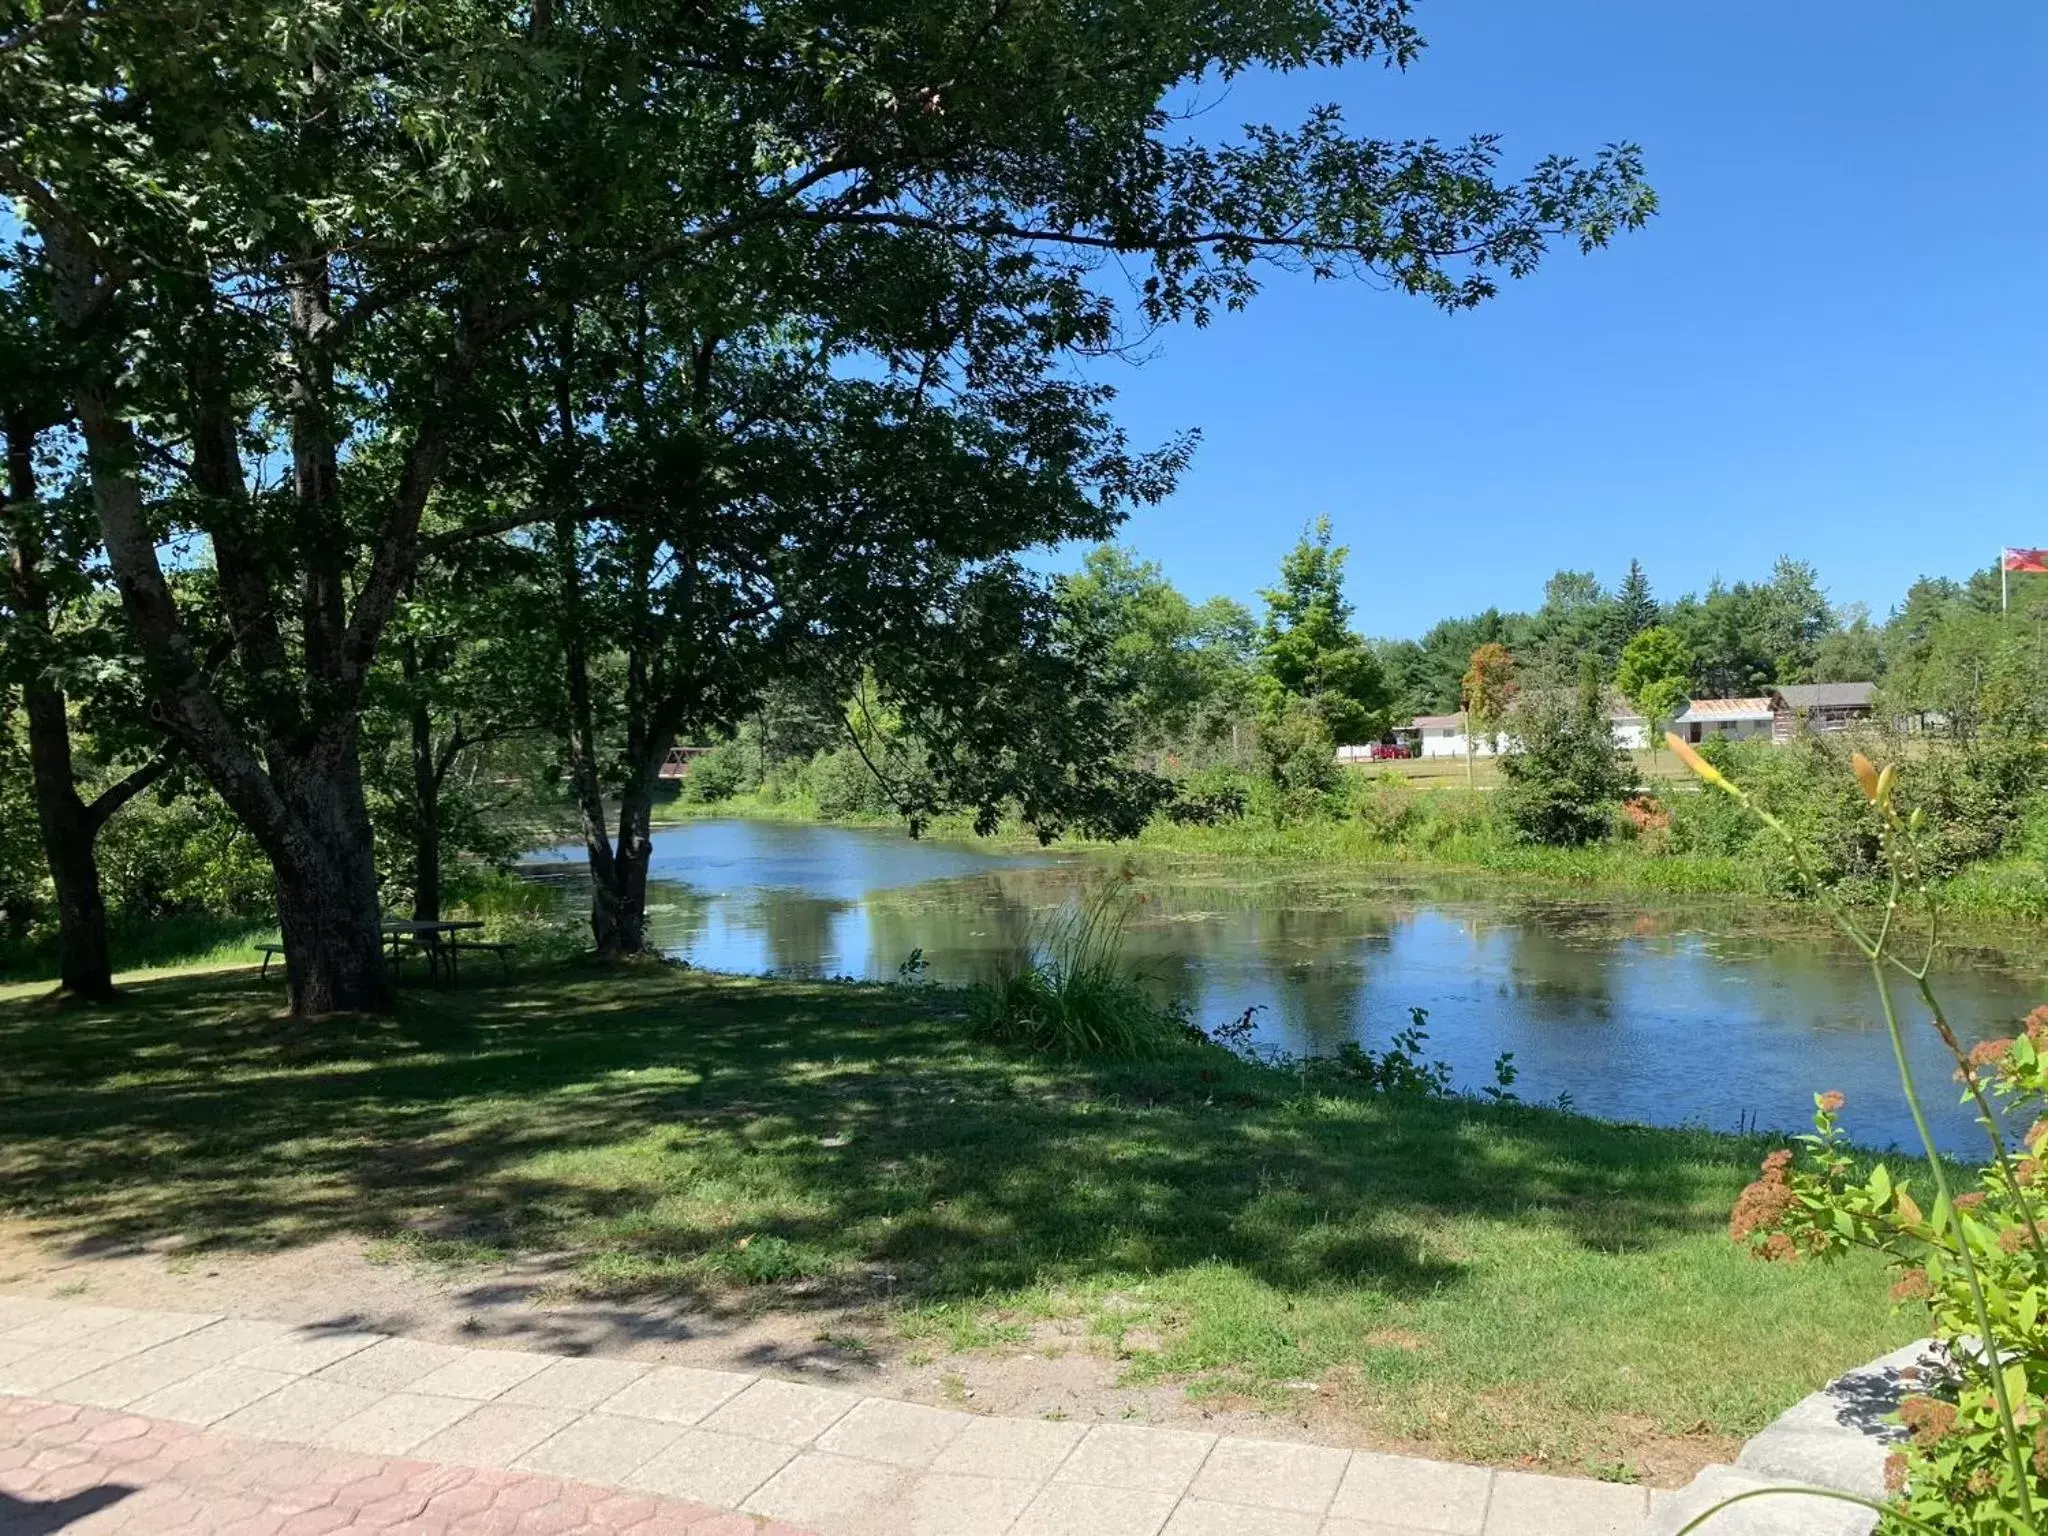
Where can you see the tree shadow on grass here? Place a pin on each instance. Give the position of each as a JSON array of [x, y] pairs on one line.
[[683, 1133]]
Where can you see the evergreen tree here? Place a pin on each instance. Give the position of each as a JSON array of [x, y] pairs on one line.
[[1635, 607]]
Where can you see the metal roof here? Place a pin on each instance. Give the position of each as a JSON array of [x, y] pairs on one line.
[[1828, 695], [1728, 709]]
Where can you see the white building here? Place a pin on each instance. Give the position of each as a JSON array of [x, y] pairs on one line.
[[1726, 720], [1444, 735]]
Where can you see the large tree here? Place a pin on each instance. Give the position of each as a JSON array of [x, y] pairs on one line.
[[1309, 653], [305, 224], [59, 639]]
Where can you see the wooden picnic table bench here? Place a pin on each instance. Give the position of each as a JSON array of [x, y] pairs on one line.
[[435, 939]]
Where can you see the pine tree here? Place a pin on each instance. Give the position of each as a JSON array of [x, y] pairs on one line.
[[1635, 606]]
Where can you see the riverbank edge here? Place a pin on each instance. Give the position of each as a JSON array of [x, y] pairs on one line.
[[1980, 905]]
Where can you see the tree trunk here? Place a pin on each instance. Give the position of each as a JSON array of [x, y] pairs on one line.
[[426, 796], [326, 881], [68, 832], [426, 816], [635, 853], [67, 827]]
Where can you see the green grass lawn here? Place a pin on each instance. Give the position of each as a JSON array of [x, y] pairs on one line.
[[1493, 1283]]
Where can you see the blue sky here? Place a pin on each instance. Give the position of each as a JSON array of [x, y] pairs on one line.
[[1832, 342]]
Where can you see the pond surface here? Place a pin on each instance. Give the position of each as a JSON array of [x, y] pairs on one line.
[[1720, 1015]]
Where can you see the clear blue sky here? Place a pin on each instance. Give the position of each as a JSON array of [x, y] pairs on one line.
[[1832, 341]]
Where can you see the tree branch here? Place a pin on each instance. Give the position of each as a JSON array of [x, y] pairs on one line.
[[119, 793]]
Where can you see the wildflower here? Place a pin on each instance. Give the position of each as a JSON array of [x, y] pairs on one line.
[[1779, 1249], [1913, 1285], [2041, 1451], [1929, 1418], [1971, 1201], [1895, 1472], [2036, 1131], [1775, 1165], [1831, 1102], [1759, 1208], [2027, 1170], [2037, 1025], [1866, 775], [1988, 1053], [2011, 1240]]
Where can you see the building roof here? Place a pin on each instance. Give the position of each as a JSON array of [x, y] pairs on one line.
[[1828, 695], [1728, 709], [1436, 722]]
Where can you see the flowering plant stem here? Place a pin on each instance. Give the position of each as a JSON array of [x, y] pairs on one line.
[[1899, 838]]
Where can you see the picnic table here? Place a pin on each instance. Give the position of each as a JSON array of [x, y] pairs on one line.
[[436, 940]]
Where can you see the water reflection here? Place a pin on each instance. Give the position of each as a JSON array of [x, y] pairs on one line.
[[1666, 1015]]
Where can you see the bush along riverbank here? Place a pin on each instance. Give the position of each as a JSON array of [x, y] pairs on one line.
[[1659, 842]]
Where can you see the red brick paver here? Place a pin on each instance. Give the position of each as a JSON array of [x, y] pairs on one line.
[[85, 1472]]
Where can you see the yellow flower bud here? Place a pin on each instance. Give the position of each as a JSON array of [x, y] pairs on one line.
[[1693, 760]]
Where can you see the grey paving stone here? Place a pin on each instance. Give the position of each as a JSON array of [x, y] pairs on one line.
[[579, 1384], [677, 1394], [1272, 1474], [493, 1435], [121, 1383], [218, 1343], [44, 1370], [599, 1448], [785, 1411], [300, 1412], [210, 1395], [1082, 1509], [1199, 1517], [833, 1494], [147, 1330], [1137, 1456], [1407, 1491], [395, 1365], [484, 1374], [903, 1434], [1839, 1436], [303, 1351], [948, 1504], [1776, 1515], [69, 1325], [711, 1468], [1028, 1449], [395, 1423], [1529, 1504]]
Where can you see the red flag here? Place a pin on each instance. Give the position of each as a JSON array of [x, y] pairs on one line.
[[2035, 560]]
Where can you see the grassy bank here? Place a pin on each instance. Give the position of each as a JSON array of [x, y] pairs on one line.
[[1449, 830], [1481, 1281], [196, 942]]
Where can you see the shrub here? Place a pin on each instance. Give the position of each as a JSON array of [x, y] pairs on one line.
[[1071, 994], [1564, 778], [718, 775], [842, 784]]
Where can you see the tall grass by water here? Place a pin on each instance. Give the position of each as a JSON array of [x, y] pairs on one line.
[[1070, 993]]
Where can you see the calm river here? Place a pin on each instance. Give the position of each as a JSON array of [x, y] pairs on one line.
[[1637, 1011]]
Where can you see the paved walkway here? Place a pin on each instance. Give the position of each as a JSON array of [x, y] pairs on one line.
[[394, 1435]]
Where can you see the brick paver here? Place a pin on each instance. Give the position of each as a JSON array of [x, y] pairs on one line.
[[94, 1472], [188, 1425]]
